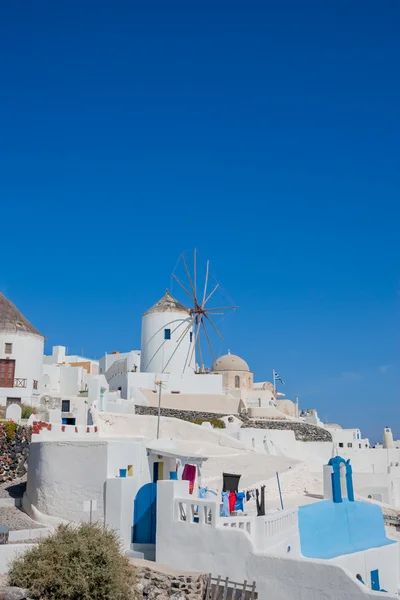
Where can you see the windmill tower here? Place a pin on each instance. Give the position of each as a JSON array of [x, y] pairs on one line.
[[167, 338]]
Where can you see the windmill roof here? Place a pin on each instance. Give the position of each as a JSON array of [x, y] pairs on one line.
[[167, 304], [12, 320]]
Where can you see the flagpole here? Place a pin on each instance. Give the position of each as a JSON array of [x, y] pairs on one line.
[[273, 379]]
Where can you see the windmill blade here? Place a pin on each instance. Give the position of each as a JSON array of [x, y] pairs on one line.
[[183, 287], [199, 343], [188, 276], [209, 296], [233, 306], [173, 354], [195, 340], [186, 329], [206, 283], [194, 272], [212, 324], [208, 340]]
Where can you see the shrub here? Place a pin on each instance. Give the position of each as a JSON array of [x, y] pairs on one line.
[[83, 563], [27, 411], [217, 423], [11, 428]]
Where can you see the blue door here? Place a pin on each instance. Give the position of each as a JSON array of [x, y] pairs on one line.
[[145, 515], [375, 580]]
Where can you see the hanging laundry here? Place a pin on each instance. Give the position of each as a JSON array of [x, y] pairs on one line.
[[258, 503], [202, 492], [262, 502], [230, 482], [248, 496], [189, 474], [239, 504], [232, 501], [225, 512]]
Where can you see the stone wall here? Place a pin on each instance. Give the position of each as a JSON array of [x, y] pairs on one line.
[[304, 432], [14, 451], [184, 415], [155, 582]]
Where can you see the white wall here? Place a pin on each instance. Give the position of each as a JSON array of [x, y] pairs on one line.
[[190, 383], [62, 475], [167, 356], [8, 552], [72, 380], [132, 359], [385, 559], [27, 351], [231, 552]]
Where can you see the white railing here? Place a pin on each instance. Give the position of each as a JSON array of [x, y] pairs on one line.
[[280, 522], [246, 524], [197, 511], [261, 530], [117, 368]]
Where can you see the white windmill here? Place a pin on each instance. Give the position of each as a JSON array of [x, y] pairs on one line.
[[171, 332]]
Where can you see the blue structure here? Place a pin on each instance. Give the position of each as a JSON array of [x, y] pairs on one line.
[[335, 463], [329, 529], [145, 515]]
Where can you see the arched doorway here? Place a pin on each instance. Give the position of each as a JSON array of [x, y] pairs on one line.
[[145, 515]]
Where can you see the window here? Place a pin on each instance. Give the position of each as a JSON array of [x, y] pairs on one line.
[[237, 381], [167, 334], [359, 445], [349, 445], [8, 348], [340, 444], [65, 406], [10, 401], [35, 384], [191, 336]]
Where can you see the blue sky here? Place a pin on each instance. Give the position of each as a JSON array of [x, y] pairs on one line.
[[264, 134]]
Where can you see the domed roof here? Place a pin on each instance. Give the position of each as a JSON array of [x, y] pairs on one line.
[[167, 304], [230, 362], [12, 320]]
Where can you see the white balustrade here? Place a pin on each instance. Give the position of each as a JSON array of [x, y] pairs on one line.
[[197, 511], [261, 530], [280, 522]]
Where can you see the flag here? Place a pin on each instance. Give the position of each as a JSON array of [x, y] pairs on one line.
[[278, 377]]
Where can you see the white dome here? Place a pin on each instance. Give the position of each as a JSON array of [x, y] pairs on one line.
[[230, 362]]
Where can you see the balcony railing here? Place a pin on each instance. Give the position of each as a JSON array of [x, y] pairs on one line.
[[19, 383]]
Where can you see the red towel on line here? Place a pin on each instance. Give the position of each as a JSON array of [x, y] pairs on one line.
[[189, 474], [232, 501]]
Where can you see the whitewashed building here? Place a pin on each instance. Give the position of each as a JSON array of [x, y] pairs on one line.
[[21, 356]]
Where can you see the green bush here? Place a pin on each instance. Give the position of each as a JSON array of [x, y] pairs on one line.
[[79, 563], [27, 411], [217, 423], [11, 429]]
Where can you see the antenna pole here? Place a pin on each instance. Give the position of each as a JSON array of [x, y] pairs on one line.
[[297, 407], [273, 380]]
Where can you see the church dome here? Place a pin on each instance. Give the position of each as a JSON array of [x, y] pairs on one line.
[[230, 362]]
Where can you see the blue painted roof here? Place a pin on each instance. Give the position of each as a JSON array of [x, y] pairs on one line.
[[329, 529]]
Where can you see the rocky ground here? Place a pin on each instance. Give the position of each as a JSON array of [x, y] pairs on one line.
[[15, 519], [13, 489], [12, 516]]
